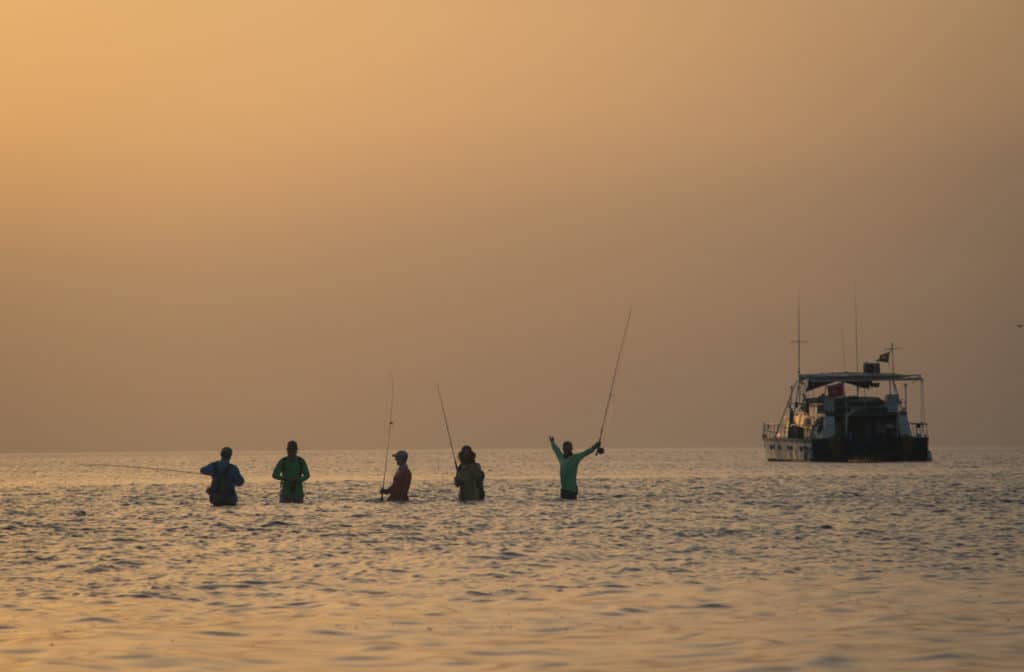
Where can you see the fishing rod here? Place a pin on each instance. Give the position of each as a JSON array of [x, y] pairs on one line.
[[134, 467], [451, 444], [615, 374], [387, 439]]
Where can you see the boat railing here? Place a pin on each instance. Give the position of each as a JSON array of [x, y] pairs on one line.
[[770, 430], [919, 430]]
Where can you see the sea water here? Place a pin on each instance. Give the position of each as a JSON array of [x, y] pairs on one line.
[[699, 559]]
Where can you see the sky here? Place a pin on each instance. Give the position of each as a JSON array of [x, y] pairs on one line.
[[228, 223]]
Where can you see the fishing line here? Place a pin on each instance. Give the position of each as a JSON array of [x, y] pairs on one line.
[[134, 467]]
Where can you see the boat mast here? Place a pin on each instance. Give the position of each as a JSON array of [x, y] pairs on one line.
[[797, 387], [856, 336], [798, 340]]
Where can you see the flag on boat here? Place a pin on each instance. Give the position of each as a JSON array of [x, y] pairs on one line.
[[884, 357]]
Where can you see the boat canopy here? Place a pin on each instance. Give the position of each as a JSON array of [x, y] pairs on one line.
[[865, 380]]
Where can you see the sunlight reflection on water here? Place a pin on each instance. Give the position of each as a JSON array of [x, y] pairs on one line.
[[708, 559]]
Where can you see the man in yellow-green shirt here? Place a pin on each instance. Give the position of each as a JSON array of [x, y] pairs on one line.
[[568, 464], [292, 471]]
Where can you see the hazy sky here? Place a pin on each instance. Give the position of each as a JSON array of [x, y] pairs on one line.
[[227, 222]]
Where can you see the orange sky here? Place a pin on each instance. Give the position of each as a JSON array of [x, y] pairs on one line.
[[226, 222]]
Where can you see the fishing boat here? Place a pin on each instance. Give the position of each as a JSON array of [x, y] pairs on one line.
[[832, 417]]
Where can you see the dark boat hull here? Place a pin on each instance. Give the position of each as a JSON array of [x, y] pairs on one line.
[[890, 449]]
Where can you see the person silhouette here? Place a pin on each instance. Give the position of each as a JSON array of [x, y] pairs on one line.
[[225, 477], [469, 476], [292, 471], [399, 490], [568, 465]]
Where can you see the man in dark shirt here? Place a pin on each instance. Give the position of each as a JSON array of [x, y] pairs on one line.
[[399, 490], [469, 476], [226, 477]]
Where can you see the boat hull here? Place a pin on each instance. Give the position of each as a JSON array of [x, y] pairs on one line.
[[894, 449]]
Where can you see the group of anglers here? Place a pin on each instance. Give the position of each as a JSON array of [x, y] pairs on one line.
[[293, 471]]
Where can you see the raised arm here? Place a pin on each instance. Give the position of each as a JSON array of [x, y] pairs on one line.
[[588, 451], [554, 447]]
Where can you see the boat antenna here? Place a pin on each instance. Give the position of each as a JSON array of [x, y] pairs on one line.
[[615, 373], [842, 339], [387, 437], [798, 340], [451, 444], [856, 332], [856, 337]]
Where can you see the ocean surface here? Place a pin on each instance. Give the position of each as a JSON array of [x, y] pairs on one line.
[[696, 559]]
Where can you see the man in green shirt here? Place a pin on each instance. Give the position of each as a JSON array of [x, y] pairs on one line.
[[292, 472], [568, 464]]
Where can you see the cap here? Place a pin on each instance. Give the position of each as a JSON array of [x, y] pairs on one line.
[[466, 450], [401, 456]]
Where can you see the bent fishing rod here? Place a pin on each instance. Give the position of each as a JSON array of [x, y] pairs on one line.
[[387, 437], [615, 374], [451, 444]]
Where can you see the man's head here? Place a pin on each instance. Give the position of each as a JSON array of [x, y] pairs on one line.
[[401, 457], [293, 449], [567, 448], [466, 455], [225, 453]]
